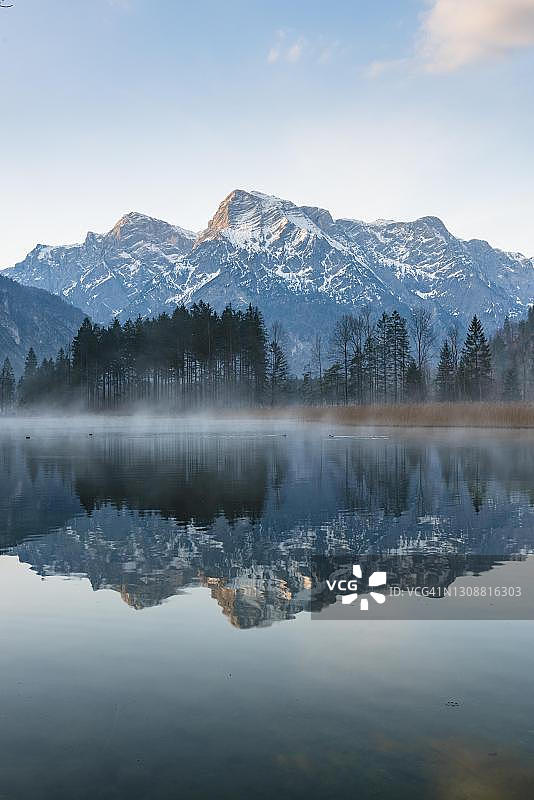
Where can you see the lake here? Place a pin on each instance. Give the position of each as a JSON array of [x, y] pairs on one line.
[[156, 638]]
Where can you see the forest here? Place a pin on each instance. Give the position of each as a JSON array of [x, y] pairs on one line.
[[199, 358]]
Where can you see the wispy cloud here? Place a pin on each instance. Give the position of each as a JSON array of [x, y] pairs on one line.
[[327, 51], [456, 33], [295, 51], [286, 47], [291, 47], [273, 55]]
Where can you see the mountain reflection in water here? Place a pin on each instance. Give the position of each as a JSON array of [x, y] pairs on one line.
[[242, 510]]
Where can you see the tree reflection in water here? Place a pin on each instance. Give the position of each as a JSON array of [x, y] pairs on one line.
[[242, 513]]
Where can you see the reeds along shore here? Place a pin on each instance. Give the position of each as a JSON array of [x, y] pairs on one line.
[[424, 415]]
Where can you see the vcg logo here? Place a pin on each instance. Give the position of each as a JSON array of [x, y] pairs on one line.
[[348, 587]]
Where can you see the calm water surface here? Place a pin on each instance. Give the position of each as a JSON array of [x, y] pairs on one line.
[[155, 634]]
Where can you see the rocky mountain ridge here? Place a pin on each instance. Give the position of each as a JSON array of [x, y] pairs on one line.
[[296, 263]]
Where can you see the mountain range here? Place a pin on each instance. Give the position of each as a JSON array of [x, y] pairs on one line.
[[33, 318], [297, 263]]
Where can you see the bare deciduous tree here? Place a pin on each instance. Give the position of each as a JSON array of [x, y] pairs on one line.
[[317, 361], [342, 346], [423, 335], [317, 356]]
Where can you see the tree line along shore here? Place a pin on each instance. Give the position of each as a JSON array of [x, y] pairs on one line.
[[386, 367]]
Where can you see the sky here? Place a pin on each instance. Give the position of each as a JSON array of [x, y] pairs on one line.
[[389, 109]]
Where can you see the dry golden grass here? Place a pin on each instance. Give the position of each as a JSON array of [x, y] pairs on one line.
[[426, 415]]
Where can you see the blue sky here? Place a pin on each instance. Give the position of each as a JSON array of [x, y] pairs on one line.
[[372, 109]]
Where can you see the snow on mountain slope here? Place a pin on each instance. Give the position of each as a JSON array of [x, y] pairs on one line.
[[296, 263], [105, 273]]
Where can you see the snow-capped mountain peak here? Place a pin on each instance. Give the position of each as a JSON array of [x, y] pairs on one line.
[[140, 227], [107, 272], [255, 221], [296, 263]]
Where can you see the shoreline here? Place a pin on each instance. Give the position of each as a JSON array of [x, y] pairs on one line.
[[497, 416], [481, 416]]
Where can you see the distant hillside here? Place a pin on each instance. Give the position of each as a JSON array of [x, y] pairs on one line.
[[33, 318]]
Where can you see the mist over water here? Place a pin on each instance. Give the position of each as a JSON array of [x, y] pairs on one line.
[[181, 647]]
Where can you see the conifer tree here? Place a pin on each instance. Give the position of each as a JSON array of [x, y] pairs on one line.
[[193, 356], [446, 374], [383, 353], [370, 369], [28, 382], [510, 384], [277, 371], [356, 381], [415, 383], [333, 382], [30, 364], [475, 363], [399, 347], [7, 387]]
